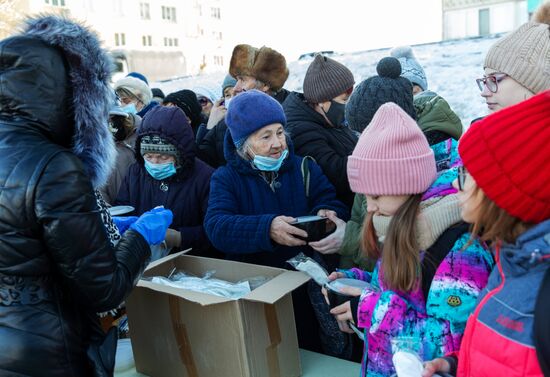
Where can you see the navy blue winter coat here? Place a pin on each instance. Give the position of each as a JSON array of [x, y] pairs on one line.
[[185, 193], [242, 206]]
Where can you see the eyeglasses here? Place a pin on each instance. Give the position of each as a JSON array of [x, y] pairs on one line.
[[462, 174], [203, 101], [491, 82]]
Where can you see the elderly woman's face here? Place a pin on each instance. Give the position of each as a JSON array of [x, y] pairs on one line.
[[268, 141]]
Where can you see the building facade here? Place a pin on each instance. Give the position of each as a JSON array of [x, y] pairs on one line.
[[161, 39], [473, 18]]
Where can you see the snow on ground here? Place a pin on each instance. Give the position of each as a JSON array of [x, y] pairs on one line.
[[451, 68]]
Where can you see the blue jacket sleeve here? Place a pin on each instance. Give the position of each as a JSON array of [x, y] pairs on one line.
[[322, 194], [228, 231], [195, 236]]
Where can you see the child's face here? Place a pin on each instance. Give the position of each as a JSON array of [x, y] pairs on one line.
[[468, 198], [385, 205]]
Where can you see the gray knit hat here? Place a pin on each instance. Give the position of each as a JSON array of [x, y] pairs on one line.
[[325, 79], [524, 54], [410, 68]]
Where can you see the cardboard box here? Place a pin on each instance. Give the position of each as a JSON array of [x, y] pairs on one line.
[[176, 332]]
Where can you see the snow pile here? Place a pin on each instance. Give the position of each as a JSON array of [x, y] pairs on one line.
[[451, 68]]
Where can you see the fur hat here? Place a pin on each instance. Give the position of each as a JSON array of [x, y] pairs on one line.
[[137, 87], [264, 64], [524, 54], [138, 75], [89, 70], [375, 91], [250, 111], [325, 79], [508, 156], [410, 68]]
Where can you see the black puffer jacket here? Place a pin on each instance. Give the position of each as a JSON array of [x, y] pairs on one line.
[[57, 268], [329, 146]]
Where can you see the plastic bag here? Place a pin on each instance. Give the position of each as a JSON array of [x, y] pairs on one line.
[[208, 284], [406, 359], [303, 263]]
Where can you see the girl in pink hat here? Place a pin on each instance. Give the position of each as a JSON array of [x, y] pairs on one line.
[[428, 273]]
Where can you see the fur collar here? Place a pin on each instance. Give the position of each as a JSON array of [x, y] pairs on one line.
[[89, 72]]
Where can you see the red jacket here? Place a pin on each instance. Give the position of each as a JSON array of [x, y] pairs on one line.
[[499, 337]]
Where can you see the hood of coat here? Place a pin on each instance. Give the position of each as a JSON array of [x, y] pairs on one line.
[[298, 110], [54, 77], [531, 249], [435, 114], [170, 123], [245, 167]]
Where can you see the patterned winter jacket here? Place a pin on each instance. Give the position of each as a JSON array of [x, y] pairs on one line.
[[437, 321]]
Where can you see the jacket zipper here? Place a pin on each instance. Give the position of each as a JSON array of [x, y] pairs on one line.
[[484, 301]]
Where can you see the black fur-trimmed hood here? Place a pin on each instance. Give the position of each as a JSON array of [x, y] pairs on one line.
[[89, 69]]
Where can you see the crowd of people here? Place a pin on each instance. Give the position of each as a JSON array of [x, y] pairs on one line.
[[448, 226]]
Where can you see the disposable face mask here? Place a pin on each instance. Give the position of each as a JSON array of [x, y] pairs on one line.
[[160, 171], [336, 113], [226, 103], [129, 108], [269, 164]]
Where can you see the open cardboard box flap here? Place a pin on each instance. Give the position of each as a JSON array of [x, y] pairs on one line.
[[281, 281]]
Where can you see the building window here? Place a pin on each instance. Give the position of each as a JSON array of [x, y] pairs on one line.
[[484, 22], [171, 42], [147, 40], [120, 39], [217, 35], [169, 14], [56, 3], [215, 13], [144, 11], [218, 60]]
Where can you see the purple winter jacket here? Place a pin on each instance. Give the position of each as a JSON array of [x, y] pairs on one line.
[[185, 193]]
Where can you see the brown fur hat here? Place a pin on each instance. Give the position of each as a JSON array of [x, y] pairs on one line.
[[264, 64]]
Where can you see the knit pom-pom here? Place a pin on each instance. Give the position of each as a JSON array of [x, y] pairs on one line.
[[542, 14], [389, 67], [402, 52]]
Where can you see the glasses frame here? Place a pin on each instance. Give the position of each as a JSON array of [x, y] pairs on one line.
[[490, 82], [461, 178]]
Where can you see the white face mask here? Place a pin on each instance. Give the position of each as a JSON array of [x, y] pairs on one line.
[[226, 103]]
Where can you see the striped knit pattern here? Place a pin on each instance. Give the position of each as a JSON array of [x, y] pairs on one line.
[[524, 55], [326, 79], [508, 155], [392, 156]]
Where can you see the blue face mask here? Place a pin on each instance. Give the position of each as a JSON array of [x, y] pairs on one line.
[[269, 164], [160, 171], [130, 108]]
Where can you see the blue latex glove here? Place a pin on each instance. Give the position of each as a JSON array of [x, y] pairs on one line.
[[152, 225], [124, 222]]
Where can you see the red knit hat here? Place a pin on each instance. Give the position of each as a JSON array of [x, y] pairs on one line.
[[508, 154]]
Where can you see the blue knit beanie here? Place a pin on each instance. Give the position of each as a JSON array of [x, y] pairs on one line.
[[250, 111], [228, 81], [138, 75]]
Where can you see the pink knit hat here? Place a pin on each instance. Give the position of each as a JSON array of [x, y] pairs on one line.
[[392, 156]]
